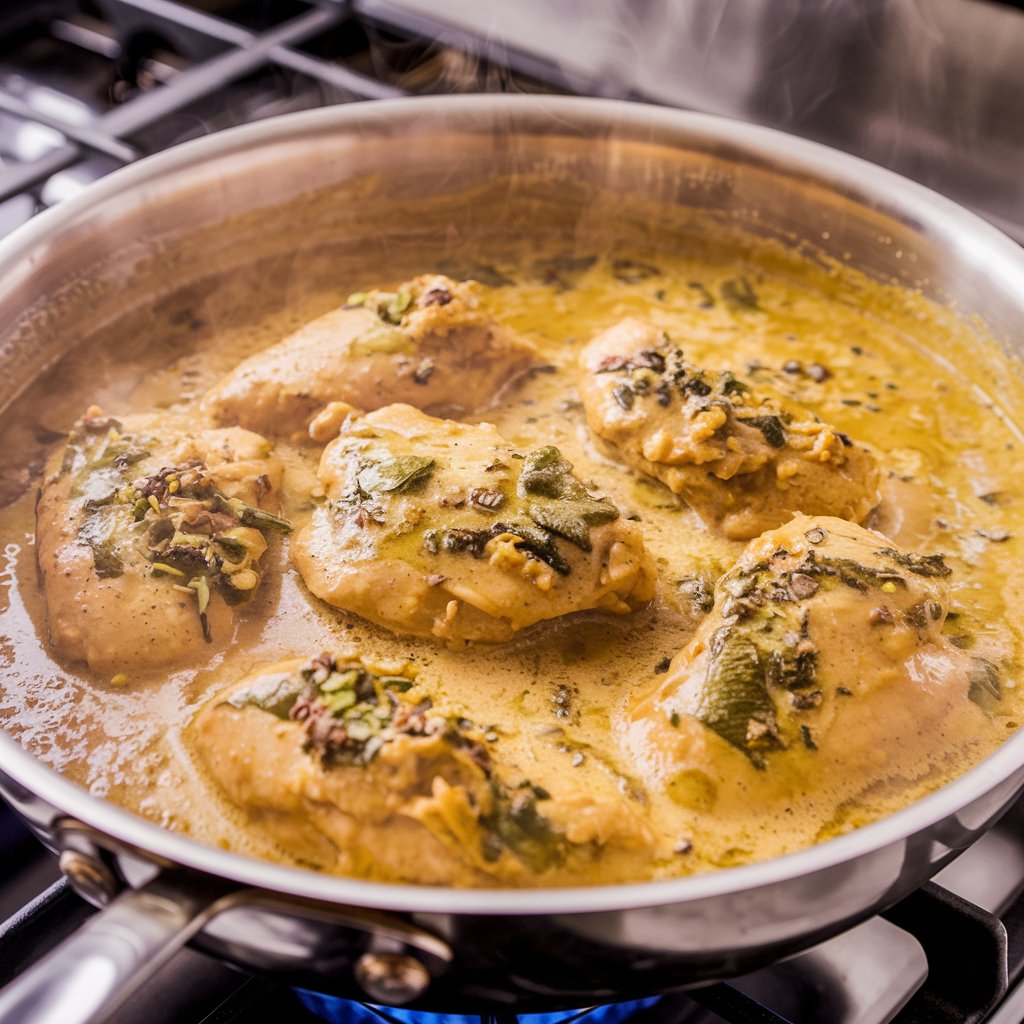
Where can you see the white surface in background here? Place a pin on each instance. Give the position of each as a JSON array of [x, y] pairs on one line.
[[929, 88], [701, 55]]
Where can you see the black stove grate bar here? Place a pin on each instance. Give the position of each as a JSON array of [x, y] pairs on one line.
[[21, 178], [259, 1001], [1013, 919], [234, 35], [195, 20], [85, 38], [966, 979], [734, 1006], [967, 951], [337, 75], [86, 136], [387, 15], [967, 976], [249, 53], [39, 926]]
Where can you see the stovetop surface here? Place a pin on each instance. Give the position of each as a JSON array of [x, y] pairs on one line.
[[943, 956], [90, 85]]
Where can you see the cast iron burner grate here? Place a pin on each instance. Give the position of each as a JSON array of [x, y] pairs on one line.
[[970, 953], [86, 88]]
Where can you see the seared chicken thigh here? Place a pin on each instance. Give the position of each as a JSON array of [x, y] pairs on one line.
[[148, 532], [822, 668], [351, 768], [445, 529], [429, 344], [736, 455]]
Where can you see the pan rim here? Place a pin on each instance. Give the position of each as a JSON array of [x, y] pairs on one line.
[[148, 838]]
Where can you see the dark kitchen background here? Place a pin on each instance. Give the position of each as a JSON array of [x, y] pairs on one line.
[[933, 89]]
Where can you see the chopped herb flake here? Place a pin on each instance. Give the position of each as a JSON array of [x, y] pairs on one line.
[[275, 694], [921, 565], [624, 396], [985, 688], [739, 294], [770, 426]]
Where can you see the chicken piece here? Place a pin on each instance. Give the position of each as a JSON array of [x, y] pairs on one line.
[[429, 344], [740, 458], [148, 533], [443, 529], [823, 668], [348, 766]]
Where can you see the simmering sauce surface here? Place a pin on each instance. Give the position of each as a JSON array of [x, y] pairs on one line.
[[552, 696]]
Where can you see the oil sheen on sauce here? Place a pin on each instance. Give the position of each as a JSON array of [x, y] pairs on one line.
[[949, 451]]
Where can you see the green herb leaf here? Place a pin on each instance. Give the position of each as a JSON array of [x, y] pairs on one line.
[[97, 486], [274, 694], [260, 519], [382, 340], [514, 823], [400, 684], [538, 542], [849, 571], [734, 700], [985, 687], [100, 462], [770, 426], [395, 475], [560, 502], [232, 546], [921, 565], [572, 518], [730, 384], [624, 396], [706, 299], [98, 533], [400, 303], [739, 293], [106, 562], [339, 702], [546, 474], [341, 679], [700, 591], [633, 271]]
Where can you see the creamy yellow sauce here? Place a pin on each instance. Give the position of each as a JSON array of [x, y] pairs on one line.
[[949, 450]]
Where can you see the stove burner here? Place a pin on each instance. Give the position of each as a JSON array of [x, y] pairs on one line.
[[334, 1010]]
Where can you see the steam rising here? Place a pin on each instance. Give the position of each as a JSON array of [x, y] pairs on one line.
[[929, 88]]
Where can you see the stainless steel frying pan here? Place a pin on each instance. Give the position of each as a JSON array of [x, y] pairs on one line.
[[424, 182]]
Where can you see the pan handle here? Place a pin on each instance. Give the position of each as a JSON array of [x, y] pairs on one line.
[[92, 971]]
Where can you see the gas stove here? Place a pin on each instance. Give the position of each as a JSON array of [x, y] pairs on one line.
[[952, 953], [87, 86]]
